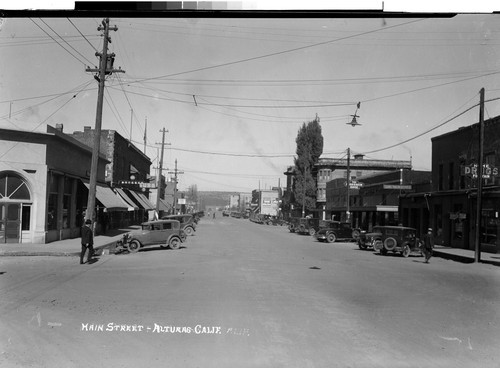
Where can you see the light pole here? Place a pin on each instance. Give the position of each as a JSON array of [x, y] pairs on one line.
[[348, 184], [353, 123]]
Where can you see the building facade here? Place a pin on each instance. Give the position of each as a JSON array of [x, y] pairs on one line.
[[452, 199], [328, 169], [373, 199], [43, 186], [127, 172]]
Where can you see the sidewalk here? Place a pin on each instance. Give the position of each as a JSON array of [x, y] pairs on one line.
[[465, 255], [66, 247]]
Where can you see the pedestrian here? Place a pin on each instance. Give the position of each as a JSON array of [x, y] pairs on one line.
[[428, 245], [87, 241], [214, 215]]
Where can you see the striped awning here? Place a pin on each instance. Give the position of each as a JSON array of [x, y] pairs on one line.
[[127, 199], [142, 200], [108, 198]]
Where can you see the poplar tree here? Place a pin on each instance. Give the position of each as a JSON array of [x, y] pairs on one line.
[[309, 148]]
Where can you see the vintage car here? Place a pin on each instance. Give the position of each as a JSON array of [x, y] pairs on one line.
[[331, 231], [187, 221], [293, 224], [396, 239], [308, 225], [166, 233]]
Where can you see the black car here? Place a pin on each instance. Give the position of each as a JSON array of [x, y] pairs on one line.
[[308, 225], [187, 221], [397, 239], [336, 230]]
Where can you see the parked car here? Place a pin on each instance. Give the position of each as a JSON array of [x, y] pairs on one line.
[[332, 231], [308, 225], [225, 213], [166, 233], [198, 215], [187, 222], [396, 239], [366, 240], [293, 223]]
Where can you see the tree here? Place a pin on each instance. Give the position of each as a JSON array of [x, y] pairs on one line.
[[192, 195], [309, 148]]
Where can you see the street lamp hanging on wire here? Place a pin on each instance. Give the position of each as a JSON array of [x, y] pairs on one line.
[[354, 122]]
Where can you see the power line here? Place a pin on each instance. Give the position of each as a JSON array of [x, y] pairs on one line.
[[90, 62], [429, 130], [279, 52], [86, 39], [42, 122]]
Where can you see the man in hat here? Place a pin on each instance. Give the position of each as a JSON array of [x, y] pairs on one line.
[[428, 245], [87, 241]]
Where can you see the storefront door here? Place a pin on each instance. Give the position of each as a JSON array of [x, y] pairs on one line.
[[10, 222]]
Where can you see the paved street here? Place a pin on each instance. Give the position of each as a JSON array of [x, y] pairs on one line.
[[247, 295]]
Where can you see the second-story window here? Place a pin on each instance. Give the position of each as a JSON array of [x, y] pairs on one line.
[[451, 176], [440, 177]]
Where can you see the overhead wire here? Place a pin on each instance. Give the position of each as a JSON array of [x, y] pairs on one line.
[[66, 42], [42, 122], [81, 34], [431, 129], [277, 52]]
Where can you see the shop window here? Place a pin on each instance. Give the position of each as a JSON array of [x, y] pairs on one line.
[[26, 217], [52, 203], [68, 188], [457, 222]]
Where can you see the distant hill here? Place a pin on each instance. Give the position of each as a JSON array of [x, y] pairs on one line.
[[219, 199]]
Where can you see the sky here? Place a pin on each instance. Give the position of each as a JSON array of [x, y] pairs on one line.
[[233, 92]]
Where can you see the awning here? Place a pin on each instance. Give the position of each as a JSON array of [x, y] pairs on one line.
[[165, 205], [108, 198], [127, 199], [143, 201]]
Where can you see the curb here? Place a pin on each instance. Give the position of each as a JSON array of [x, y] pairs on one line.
[[98, 251]]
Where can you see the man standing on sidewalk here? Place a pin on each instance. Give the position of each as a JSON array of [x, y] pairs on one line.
[[87, 241], [428, 245]]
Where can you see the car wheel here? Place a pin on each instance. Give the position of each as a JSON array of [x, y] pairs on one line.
[[134, 246], [362, 245], [312, 231], [175, 243], [188, 230], [355, 234], [406, 251], [390, 243], [330, 238]]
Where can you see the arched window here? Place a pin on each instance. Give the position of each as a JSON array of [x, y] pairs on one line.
[[13, 187]]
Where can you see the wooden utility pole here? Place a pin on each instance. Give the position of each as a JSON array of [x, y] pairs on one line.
[[348, 184], [479, 200], [105, 68], [175, 172], [160, 168]]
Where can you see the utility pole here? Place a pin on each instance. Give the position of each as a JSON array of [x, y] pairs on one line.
[[160, 168], [131, 116], [348, 184], [105, 68], [479, 210], [175, 172], [145, 133]]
